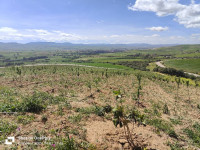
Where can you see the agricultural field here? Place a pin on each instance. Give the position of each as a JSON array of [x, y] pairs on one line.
[[97, 108], [189, 65]]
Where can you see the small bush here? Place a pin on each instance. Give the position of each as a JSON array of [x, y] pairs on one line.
[[99, 111], [166, 109], [32, 104], [107, 108]]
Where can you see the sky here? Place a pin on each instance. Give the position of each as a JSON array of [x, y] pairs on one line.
[[100, 21]]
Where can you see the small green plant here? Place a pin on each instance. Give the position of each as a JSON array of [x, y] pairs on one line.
[[196, 86], [54, 70], [122, 118], [99, 111], [75, 118], [166, 109], [89, 85], [178, 82], [107, 108], [60, 110], [18, 71], [44, 118], [188, 83], [139, 88]]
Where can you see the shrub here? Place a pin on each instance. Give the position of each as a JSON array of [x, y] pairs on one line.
[[99, 111], [107, 108], [34, 103]]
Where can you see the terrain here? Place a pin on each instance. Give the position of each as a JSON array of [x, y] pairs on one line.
[[79, 99]]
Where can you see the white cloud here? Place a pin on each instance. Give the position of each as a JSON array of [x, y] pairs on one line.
[[155, 35], [37, 35], [135, 38], [28, 35], [7, 30], [188, 15], [158, 28], [115, 36], [160, 7]]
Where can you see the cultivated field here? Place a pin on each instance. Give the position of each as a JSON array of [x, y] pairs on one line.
[[78, 108], [100, 100], [189, 65]]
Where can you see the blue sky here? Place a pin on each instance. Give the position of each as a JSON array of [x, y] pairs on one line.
[[100, 21]]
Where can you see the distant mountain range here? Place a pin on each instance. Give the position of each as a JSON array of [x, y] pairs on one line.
[[69, 46]]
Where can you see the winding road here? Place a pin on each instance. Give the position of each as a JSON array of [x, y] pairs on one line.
[[159, 63]]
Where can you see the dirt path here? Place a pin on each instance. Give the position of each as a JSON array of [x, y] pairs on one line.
[[159, 63]]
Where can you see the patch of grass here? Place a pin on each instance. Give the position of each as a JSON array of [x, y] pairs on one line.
[[163, 126], [194, 133], [85, 110], [6, 128], [174, 146], [98, 110], [60, 110], [60, 143], [25, 119], [176, 121], [75, 118]]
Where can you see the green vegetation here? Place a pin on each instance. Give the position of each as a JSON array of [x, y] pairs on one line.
[[189, 65], [6, 128], [161, 125], [194, 133]]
